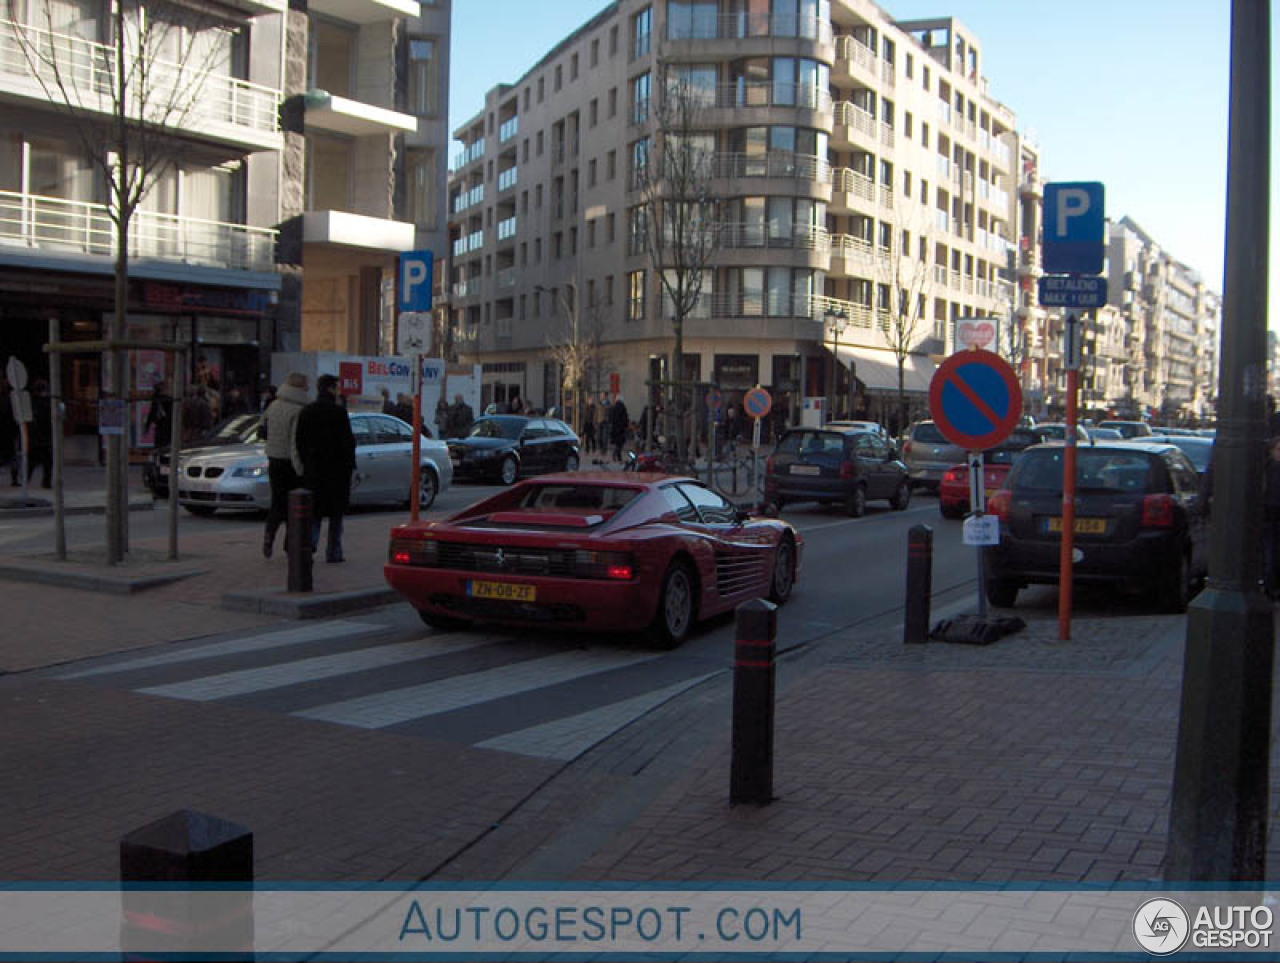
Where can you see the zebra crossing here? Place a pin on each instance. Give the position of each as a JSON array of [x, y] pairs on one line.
[[535, 696]]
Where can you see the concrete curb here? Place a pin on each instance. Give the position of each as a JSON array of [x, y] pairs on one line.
[[307, 606], [91, 582]]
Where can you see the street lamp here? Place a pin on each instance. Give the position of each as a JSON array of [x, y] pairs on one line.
[[837, 320], [575, 355]]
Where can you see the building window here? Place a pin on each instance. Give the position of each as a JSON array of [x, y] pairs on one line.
[[595, 52], [635, 296], [527, 94], [591, 173], [539, 150], [640, 99], [639, 162], [911, 67], [641, 33], [559, 76], [908, 126], [924, 134], [537, 250], [537, 195], [557, 245], [613, 41], [593, 112], [542, 88], [573, 67], [611, 165], [422, 193], [613, 101], [608, 291], [637, 228], [424, 89], [591, 234]]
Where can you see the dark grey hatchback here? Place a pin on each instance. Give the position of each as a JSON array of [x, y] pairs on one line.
[[1141, 522], [846, 466]]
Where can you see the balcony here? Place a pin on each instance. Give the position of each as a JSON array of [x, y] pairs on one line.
[[747, 24], [801, 237], [57, 228], [339, 115], [473, 153], [507, 179], [507, 229], [855, 59], [468, 199], [781, 165], [342, 229], [747, 94], [365, 11], [191, 102], [468, 243], [508, 129]]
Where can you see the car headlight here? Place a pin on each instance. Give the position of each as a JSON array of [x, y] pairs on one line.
[[249, 471]]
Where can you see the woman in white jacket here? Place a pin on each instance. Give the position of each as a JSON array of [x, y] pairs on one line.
[[284, 467]]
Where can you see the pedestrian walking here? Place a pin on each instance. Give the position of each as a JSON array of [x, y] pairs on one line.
[[515, 405], [619, 422], [388, 406], [461, 417], [284, 466], [442, 418], [403, 408], [197, 416], [235, 404], [160, 416], [1271, 520], [328, 452], [589, 426]]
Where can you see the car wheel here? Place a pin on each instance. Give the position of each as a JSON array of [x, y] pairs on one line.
[[1002, 593], [508, 471], [901, 498], [1173, 592], [202, 511], [677, 604], [856, 504], [445, 623], [571, 463], [784, 571], [428, 487]]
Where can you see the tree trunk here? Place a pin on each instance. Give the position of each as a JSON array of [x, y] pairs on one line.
[[902, 396], [676, 408]]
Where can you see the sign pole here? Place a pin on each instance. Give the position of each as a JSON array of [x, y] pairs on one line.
[[415, 492], [977, 508], [1066, 559]]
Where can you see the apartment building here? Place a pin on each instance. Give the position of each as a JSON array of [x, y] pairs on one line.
[[855, 159], [202, 258], [367, 128]]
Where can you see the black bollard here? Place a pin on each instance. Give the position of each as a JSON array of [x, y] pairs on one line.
[[176, 920], [751, 770], [299, 538], [915, 626]]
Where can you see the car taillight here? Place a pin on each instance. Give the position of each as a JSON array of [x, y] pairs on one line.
[[846, 469], [1000, 503], [413, 551], [952, 476], [617, 566], [620, 572], [1157, 511]]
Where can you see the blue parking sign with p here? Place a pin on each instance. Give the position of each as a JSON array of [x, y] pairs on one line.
[[1074, 228], [415, 280]]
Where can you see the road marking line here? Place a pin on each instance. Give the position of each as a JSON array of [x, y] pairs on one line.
[[567, 738], [253, 643], [445, 695], [867, 520], [245, 681]]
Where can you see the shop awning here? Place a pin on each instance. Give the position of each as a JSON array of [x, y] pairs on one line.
[[878, 369]]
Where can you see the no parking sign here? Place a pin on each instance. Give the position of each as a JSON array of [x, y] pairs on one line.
[[975, 399]]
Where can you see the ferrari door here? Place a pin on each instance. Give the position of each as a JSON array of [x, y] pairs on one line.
[[743, 552]]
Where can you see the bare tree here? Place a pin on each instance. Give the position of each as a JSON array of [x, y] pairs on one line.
[[579, 358], [125, 99], [679, 222], [901, 299]]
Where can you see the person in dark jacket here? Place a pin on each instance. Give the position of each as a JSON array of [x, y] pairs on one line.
[[619, 422], [1271, 520], [160, 416], [327, 449], [41, 435]]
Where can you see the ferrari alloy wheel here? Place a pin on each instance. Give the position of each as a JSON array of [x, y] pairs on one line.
[[427, 488], [508, 471], [784, 572], [675, 607]]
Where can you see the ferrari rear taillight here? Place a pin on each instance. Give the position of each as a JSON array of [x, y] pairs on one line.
[[1000, 504], [1157, 511], [615, 566], [620, 572], [413, 551]]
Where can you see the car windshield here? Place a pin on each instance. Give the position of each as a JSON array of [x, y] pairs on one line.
[[928, 433], [592, 497], [1039, 472], [1199, 450], [235, 429], [497, 428]]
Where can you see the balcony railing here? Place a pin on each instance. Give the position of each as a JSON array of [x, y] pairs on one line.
[[506, 229], [465, 157], [745, 24], [468, 243], [849, 181], [82, 74], [857, 53], [507, 179], [54, 224], [779, 164], [507, 278], [508, 129], [735, 96], [468, 198], [467, 288], [801, 237]]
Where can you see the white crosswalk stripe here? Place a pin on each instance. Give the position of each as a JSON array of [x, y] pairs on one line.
[[244, 681], [252, 643], [568, 738], [432, 698]]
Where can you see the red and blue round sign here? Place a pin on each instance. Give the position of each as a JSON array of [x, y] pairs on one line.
[[757, 403], [975, 399]]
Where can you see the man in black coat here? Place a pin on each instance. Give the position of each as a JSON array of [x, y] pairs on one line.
[[619, 422], [328, 453]]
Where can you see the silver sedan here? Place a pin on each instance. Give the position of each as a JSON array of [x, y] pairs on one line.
[[235, 476]]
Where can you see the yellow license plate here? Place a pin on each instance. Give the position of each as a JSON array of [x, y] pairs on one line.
[[1084, 526], [507, 591]]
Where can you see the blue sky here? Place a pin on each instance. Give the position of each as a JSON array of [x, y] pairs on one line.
[[1132, 93]]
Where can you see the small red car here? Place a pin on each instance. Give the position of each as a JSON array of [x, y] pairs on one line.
[[953, 490], [594, 550]]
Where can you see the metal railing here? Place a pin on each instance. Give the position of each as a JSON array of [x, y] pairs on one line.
[[849, 181], [468, 198], [187, 96], [857, 53], [801, 237], [469, 242], [508, 129], [506, 229], [51, 223], [507, 179], [507, 278], [848, 114], [735, 96], [780, 164], [464, 157], [746, 24]]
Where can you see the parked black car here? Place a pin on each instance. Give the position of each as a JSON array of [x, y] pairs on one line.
[[505, 447], [837, 465], [236, 430], [1142, 522]]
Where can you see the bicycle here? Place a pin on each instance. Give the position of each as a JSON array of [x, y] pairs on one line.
[[738, 474]]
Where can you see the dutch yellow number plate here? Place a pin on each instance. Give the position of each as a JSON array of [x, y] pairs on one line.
[[508, 591], [1084, 526]]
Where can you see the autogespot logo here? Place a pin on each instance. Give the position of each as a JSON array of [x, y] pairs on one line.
[[1161, 926]]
